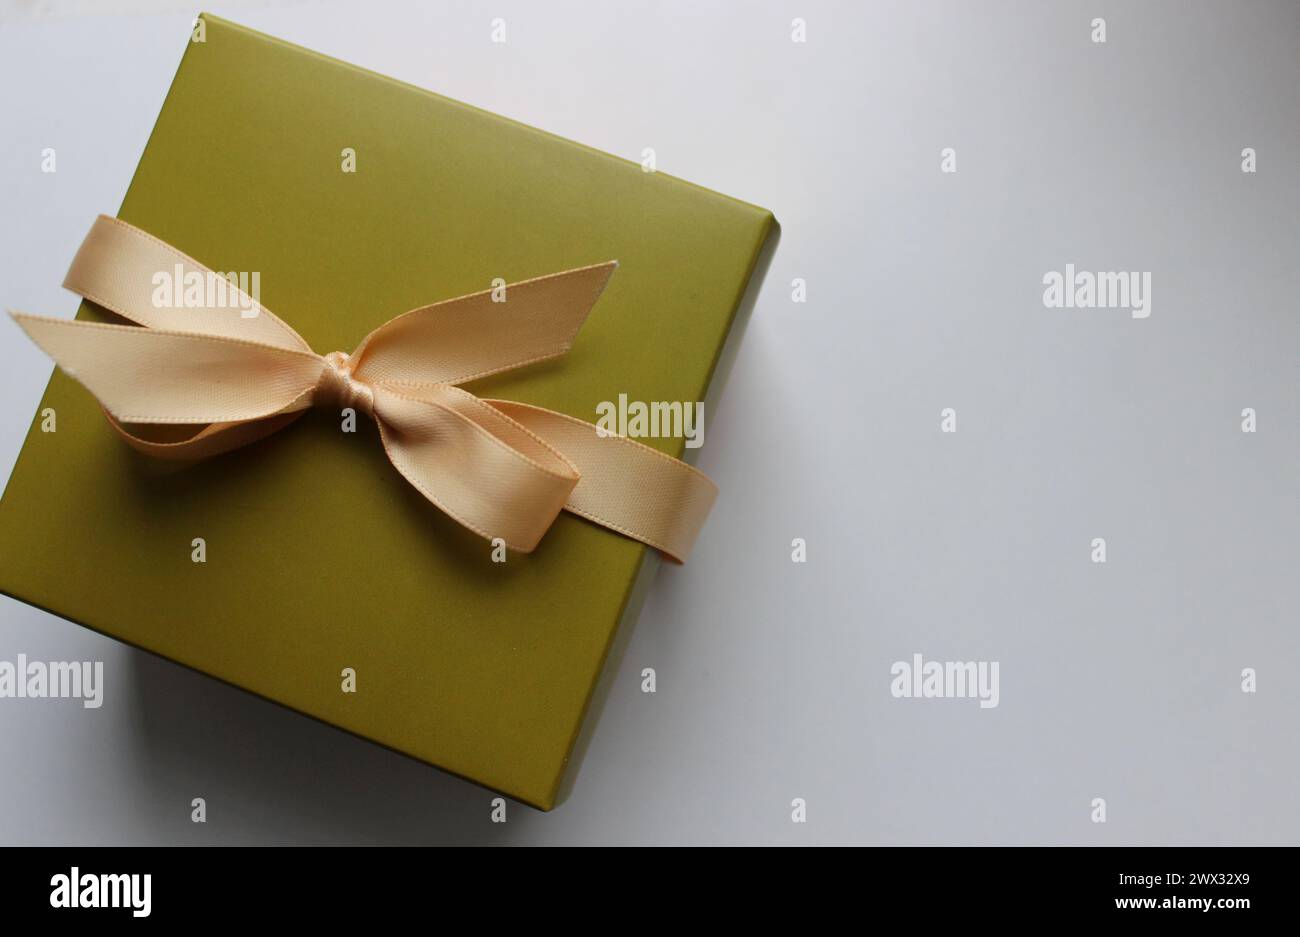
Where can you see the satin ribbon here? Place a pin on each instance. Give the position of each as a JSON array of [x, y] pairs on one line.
[[500, 468]]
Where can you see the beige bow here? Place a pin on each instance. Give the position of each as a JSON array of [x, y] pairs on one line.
[[238, 373]]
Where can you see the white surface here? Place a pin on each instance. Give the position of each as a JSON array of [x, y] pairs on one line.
[[1118, 681]]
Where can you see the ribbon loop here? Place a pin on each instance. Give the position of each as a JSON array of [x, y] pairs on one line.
[[502, 469], [460, 458], [107, 268]]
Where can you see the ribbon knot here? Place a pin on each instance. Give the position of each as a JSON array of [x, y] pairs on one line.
[[337, 386], [502, 469]]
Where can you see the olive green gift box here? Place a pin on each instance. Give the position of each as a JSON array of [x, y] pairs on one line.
[[319, 555]]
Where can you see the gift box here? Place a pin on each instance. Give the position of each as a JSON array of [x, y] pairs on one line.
[[301, 567]]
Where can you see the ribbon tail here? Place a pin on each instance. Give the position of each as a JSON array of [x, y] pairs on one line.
[[640, 492], [470, 337]]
